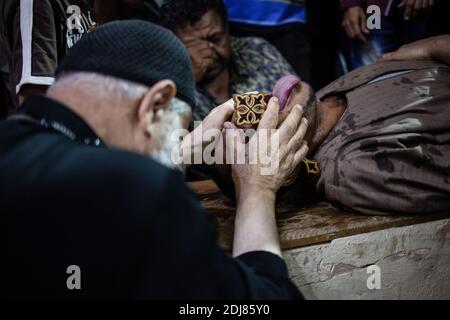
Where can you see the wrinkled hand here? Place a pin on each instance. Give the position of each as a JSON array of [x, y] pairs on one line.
[[195, 142], [202, 56], [414, 7], [292, 149], [355, 23]]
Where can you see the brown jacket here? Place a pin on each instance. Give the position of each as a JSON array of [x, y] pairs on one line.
[[390, 151]]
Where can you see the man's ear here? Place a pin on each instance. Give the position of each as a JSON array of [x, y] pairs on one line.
[[157, 98]]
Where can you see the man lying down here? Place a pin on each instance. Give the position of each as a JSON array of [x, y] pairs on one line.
[[380, 134]]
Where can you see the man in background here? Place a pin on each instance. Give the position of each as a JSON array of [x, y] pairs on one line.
[[39, 34], [86, 183], [223, 65], [282, 23], [5, 100]]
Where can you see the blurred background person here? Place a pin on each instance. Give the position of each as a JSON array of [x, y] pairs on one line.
[[282, 23], [402, 22], [39, 34], [222, 64]]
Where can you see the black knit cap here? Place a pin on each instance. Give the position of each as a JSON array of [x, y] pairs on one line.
[[137, 51]]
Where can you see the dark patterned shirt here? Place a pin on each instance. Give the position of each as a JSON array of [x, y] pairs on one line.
[[255, 65]]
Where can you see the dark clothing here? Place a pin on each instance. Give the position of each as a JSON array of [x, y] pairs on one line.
[[396, 31], [390, 151], [282, 23], [267, 13], [131, 225], [39, 37], [438, 21], [5, 100], [147, 10]]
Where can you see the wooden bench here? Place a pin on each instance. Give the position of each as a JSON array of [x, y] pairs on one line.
[[328, 251]]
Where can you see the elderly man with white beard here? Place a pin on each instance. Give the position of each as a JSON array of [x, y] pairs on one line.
[[87, 214]]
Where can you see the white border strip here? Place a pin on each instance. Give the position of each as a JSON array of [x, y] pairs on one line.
[[26, 31]]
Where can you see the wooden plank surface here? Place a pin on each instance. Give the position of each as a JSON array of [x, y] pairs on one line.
[[303, 226]]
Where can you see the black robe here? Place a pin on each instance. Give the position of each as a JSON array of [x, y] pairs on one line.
[[130, 225]]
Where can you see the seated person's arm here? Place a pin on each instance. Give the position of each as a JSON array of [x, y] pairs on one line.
[[441, 50], [436, 48]]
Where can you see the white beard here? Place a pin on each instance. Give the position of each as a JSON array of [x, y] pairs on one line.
[[174, 117]]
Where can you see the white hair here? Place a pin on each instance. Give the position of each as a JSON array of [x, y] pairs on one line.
[[103, 88]]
